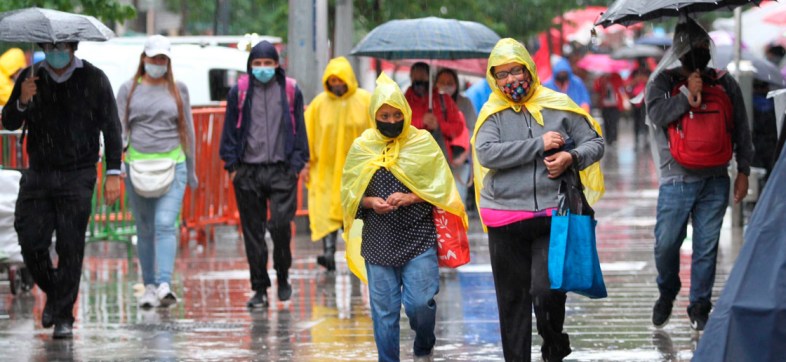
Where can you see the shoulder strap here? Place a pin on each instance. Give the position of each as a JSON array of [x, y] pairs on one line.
[[242, 90], [290, 89]]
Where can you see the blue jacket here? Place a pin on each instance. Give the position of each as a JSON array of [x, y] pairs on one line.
[[576, 89], [233, 139]]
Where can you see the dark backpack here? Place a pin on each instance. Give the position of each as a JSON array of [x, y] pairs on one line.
[[701, 138]]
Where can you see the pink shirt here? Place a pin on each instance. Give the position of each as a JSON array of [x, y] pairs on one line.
[[497, 218]]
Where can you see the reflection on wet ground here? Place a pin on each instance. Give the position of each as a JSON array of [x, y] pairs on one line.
[[328, 317]]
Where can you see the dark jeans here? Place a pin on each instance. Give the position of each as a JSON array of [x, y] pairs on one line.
[[519, 262], [639, 123], [611, 118], [49, 202], [255, 185]]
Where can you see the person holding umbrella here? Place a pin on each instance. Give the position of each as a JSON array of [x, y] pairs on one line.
[[526, 137], [64, 106], [690, 191]]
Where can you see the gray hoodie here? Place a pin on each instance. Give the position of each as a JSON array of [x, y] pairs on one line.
[[510, 145]]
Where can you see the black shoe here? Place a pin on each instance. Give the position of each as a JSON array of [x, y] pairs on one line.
[[284, 291], [48, 315], [327, 261], [661, 312], [557, 349], [699, 313], [63, 331], [259, 300]]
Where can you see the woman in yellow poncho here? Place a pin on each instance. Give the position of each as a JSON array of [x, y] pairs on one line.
[[393, 177], [333, 120], [526, 137]]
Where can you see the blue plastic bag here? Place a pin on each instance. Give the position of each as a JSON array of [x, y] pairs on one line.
[[573, 258]]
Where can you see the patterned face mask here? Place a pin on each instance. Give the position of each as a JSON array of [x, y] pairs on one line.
[[516, 90]]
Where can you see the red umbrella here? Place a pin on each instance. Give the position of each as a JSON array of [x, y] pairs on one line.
[[603, 63]]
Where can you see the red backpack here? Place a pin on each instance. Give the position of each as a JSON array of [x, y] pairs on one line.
[[701, 138], [242, 90]]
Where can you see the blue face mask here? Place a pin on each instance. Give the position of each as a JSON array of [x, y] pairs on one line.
[[58, 59], [263, 74], [155, 71]]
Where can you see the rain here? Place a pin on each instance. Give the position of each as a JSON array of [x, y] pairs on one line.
[[627, 43]]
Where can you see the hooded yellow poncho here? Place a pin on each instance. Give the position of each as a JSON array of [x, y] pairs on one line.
[[10, 62], [332, 124], [413, 157], [510, 51]]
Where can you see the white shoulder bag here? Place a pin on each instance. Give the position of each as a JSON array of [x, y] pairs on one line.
[[152, 178]]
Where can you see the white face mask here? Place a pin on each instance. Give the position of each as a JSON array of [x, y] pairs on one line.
[[447, 89], [155, 71]]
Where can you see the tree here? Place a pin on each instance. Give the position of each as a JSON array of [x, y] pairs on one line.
[[105, 10]]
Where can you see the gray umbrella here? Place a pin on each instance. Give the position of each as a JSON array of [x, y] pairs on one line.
[[637, 51], [428, 38], [38, 25], [763, 69], [627, 12]]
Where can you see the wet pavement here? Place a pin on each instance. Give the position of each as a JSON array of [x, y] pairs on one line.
[[328, 318]]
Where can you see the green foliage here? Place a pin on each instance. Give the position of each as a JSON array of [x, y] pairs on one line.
[[105, 10]]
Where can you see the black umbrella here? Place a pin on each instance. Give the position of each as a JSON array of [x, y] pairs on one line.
[[763, 69], [38, 25], [627, 12], [637, 51]]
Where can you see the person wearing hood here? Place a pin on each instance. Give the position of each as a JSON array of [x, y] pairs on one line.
[[65, 109], [333, 120], [458, 148], [264, 147], [563, 80], [689, 193], [158, 126], [526, 131], [11, 63], [393, 178]]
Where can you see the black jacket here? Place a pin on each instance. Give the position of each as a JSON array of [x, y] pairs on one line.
[[64, 120]]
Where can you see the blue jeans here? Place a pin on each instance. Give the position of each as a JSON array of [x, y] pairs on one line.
[[156, 221], [415, 284], [704, 202]]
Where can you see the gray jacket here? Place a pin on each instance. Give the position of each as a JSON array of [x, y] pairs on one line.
[[663, 108], [510, 144]]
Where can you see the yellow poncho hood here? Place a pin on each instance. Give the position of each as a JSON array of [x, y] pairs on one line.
[[413, 157], [511, 51], [332, 124]]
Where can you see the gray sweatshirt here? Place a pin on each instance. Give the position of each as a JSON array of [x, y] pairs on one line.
[[265, 141], [151, 126], [663, 108], [510, 144]]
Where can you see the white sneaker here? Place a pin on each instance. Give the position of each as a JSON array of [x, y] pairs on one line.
[[165, 296], [149, 299]]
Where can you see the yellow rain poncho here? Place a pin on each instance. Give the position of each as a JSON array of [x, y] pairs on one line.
[[332, 123], [511, 51], [413, 157], [10, 62]]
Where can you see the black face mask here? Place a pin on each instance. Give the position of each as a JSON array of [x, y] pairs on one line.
[[420, 87], [561, 77], [390, 130], [696, 59], [338, 90]]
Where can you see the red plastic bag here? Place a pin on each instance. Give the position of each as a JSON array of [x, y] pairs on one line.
[[452, 242]]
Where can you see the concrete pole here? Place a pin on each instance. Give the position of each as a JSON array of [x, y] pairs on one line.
[[302, 63], [321, 42]]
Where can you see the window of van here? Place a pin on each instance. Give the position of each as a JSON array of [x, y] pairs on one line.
[[221, 81]]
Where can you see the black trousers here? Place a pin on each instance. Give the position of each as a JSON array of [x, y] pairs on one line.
[[55, 202], [255, 186], [611, 118], [519, 262]]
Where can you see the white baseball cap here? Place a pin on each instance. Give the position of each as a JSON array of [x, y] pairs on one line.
[[157, 45]]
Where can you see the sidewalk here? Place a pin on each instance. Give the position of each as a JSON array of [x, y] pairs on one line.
[[328, 318]]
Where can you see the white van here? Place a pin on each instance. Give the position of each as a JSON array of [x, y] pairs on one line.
[[208, 71]]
